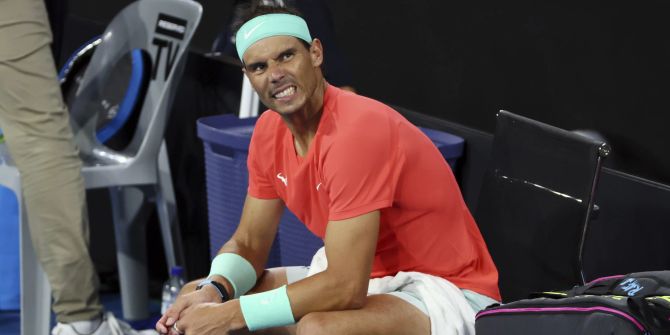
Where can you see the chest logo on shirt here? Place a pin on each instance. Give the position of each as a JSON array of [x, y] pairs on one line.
[[318, 186], [282, 178]]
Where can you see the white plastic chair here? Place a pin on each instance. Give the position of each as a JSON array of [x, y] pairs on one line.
[[163, 30], [249, 101]]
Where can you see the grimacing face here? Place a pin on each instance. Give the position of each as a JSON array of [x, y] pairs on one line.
[[283, 72]]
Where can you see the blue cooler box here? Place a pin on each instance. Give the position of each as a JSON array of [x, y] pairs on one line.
[[10, 298], [226, 141]]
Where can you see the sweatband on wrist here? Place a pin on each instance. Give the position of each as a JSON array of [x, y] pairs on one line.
[[237, 270], [267, 309], [269, 25]]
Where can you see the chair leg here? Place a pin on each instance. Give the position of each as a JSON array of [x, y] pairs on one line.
[[35, 289], [130, 215], [169, 230], [167, 212]]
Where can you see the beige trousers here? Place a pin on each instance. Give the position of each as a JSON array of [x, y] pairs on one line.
[[35, 122]]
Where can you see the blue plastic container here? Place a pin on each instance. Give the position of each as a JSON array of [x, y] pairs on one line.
[[10, 298], [450, 146], [226, 141]]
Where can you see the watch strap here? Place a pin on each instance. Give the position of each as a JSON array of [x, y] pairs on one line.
[[218, 286]]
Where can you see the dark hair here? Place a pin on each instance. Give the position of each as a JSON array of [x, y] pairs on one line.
[[251, 10]]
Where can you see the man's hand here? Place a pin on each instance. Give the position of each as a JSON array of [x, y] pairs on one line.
[[210, 318], [252, 240], [184, 301]]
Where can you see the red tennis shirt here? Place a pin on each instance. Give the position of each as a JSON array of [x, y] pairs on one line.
[[365, 157]]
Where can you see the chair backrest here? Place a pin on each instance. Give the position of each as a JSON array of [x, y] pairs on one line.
[[536, 202], [161, 31]]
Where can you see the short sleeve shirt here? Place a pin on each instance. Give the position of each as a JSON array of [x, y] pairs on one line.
[[365, 157]]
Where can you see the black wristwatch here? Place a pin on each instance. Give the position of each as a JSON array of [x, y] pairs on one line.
[[219, 287]]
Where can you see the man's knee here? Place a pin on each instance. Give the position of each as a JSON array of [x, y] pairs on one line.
[[313, 324]]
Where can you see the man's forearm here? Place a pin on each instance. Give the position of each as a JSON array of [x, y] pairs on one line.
[[326, 292], [349, 246], [256, 254]]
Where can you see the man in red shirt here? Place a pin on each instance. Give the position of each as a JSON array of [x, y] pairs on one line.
[[401, 247]]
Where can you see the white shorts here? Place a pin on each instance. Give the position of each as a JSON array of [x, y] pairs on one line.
[[477, 301]]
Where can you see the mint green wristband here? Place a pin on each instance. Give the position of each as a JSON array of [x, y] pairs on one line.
[[267, 309], [237, 270]]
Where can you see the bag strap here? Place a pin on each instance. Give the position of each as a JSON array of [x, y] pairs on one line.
[[600, 286], [642, 284]]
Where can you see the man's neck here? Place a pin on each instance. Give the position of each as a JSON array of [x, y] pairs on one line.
[[303, 124]]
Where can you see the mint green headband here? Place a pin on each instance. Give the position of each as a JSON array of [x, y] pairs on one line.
[[269, 25]]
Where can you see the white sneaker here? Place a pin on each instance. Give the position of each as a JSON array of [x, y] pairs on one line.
[[110, 325]]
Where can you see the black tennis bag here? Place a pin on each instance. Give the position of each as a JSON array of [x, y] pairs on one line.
[[637, 303]]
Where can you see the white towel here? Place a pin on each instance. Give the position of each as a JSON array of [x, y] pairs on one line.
[[448, 310]]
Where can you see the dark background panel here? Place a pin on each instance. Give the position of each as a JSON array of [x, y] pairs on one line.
[[597, 65], [629, 232]]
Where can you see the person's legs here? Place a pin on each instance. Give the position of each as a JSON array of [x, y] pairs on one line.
[[382, 314], [271, 279], [36, 126], [277, 277]]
